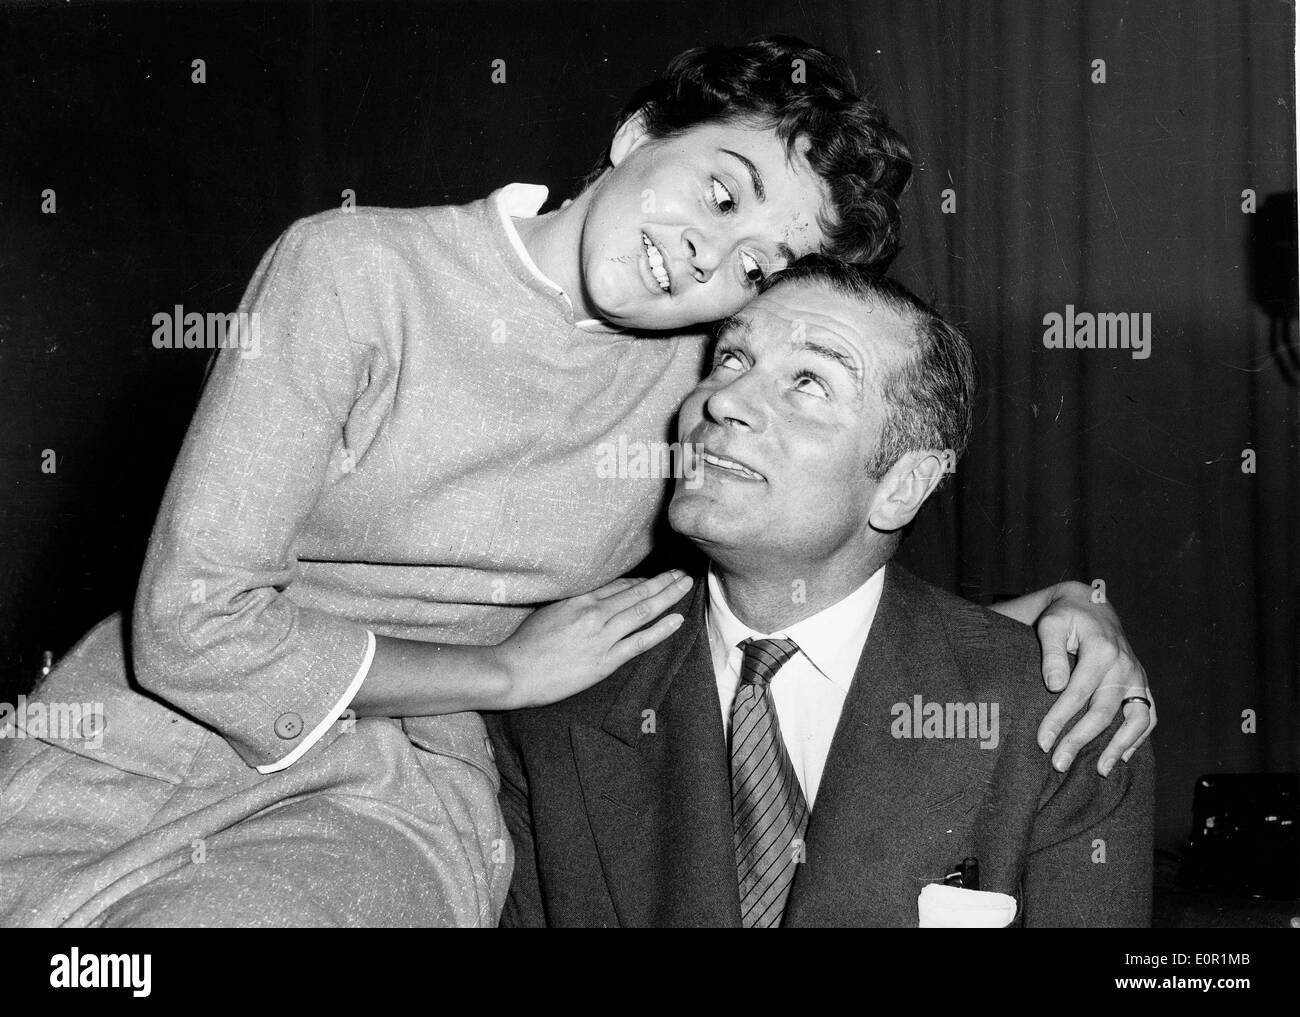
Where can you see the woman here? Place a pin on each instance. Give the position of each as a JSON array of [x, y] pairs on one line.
[[366, 513]]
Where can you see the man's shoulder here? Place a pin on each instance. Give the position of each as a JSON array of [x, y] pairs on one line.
[[995, 653], [968, 624]]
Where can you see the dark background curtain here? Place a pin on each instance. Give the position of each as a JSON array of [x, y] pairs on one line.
[[1117, 197]]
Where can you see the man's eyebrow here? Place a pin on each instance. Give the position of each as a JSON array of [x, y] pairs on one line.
[[838, 356], [755, 178], [734, 323]]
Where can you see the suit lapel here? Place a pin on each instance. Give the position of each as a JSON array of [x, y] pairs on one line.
[[656, 785], [885, 804]]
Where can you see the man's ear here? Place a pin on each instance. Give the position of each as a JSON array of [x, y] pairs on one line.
[[902, 491], [631, 134]]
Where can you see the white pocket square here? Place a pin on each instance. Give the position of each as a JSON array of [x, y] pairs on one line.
[[952, 907]]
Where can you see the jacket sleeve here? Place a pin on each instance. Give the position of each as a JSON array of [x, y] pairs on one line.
[[1090, 856], [214, 632], [524, 903]]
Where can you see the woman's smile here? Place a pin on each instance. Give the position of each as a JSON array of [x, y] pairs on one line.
[[657, 263]]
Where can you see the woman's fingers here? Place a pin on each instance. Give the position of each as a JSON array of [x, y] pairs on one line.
[[1058, 643], [625, 649], [1127, 739], [637, 592], [570, 645], [643, 604], [1147, 728], [1101, 710], [617, 586], [1095, 659]]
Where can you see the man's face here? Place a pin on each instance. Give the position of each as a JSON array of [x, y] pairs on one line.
[[680, 231], [784, 427]]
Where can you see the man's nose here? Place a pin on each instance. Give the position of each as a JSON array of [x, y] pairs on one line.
[[738, 405], [703, 253]]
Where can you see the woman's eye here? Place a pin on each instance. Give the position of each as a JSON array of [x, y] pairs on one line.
[[752, 269], [810, 384], [722, 199]]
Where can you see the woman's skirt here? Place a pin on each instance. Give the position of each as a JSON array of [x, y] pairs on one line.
[[140, 816]]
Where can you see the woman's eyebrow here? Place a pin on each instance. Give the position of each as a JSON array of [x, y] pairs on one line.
[[755, 178]]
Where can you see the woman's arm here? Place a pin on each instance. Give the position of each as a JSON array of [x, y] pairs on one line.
[[557, 652], [1069, 621], [213, 632]]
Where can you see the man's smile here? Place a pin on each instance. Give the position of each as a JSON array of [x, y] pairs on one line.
[[728, 466]]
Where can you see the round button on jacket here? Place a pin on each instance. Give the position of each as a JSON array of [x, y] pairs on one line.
[[288, 725]]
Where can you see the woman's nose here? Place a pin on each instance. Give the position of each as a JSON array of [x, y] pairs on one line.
[[702, 253]]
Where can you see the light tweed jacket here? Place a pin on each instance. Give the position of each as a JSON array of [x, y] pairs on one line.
[[413, 446], [415, 452]]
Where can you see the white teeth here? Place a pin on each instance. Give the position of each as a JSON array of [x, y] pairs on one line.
[[728, 464], [656, 264]]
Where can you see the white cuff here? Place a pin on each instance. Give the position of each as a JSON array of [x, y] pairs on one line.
[[330, 718]]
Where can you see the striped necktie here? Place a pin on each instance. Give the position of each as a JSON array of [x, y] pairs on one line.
[[767, 804]]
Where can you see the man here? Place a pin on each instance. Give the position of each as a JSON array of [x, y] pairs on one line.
[[825, 734]]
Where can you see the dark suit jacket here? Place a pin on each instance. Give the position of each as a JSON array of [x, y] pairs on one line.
[[619, 801]]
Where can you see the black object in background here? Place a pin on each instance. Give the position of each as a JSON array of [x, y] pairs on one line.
[[1273, 256], [1245, 835]]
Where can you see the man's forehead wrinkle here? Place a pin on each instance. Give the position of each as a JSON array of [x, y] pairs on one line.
[[872, 334], [822, 334], [812, 317], [868, 317]]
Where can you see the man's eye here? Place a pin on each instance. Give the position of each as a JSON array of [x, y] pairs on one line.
[[721, 197], [750, 266], [810, 384], [729, 359]]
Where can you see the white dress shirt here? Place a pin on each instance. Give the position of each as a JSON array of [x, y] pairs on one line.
[[809, 691]]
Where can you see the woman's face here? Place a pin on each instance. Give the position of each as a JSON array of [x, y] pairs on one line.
[[680, 231]]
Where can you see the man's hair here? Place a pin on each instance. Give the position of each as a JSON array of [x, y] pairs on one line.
[[802, 92], [929, 398]]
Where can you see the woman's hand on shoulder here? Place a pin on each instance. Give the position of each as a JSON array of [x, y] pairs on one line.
[[570, 645]]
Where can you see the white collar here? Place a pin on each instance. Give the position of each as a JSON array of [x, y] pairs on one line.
[[832, 639], [522, 201]]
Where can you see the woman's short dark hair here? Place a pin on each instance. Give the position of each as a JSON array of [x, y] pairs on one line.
[[802, 92]]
